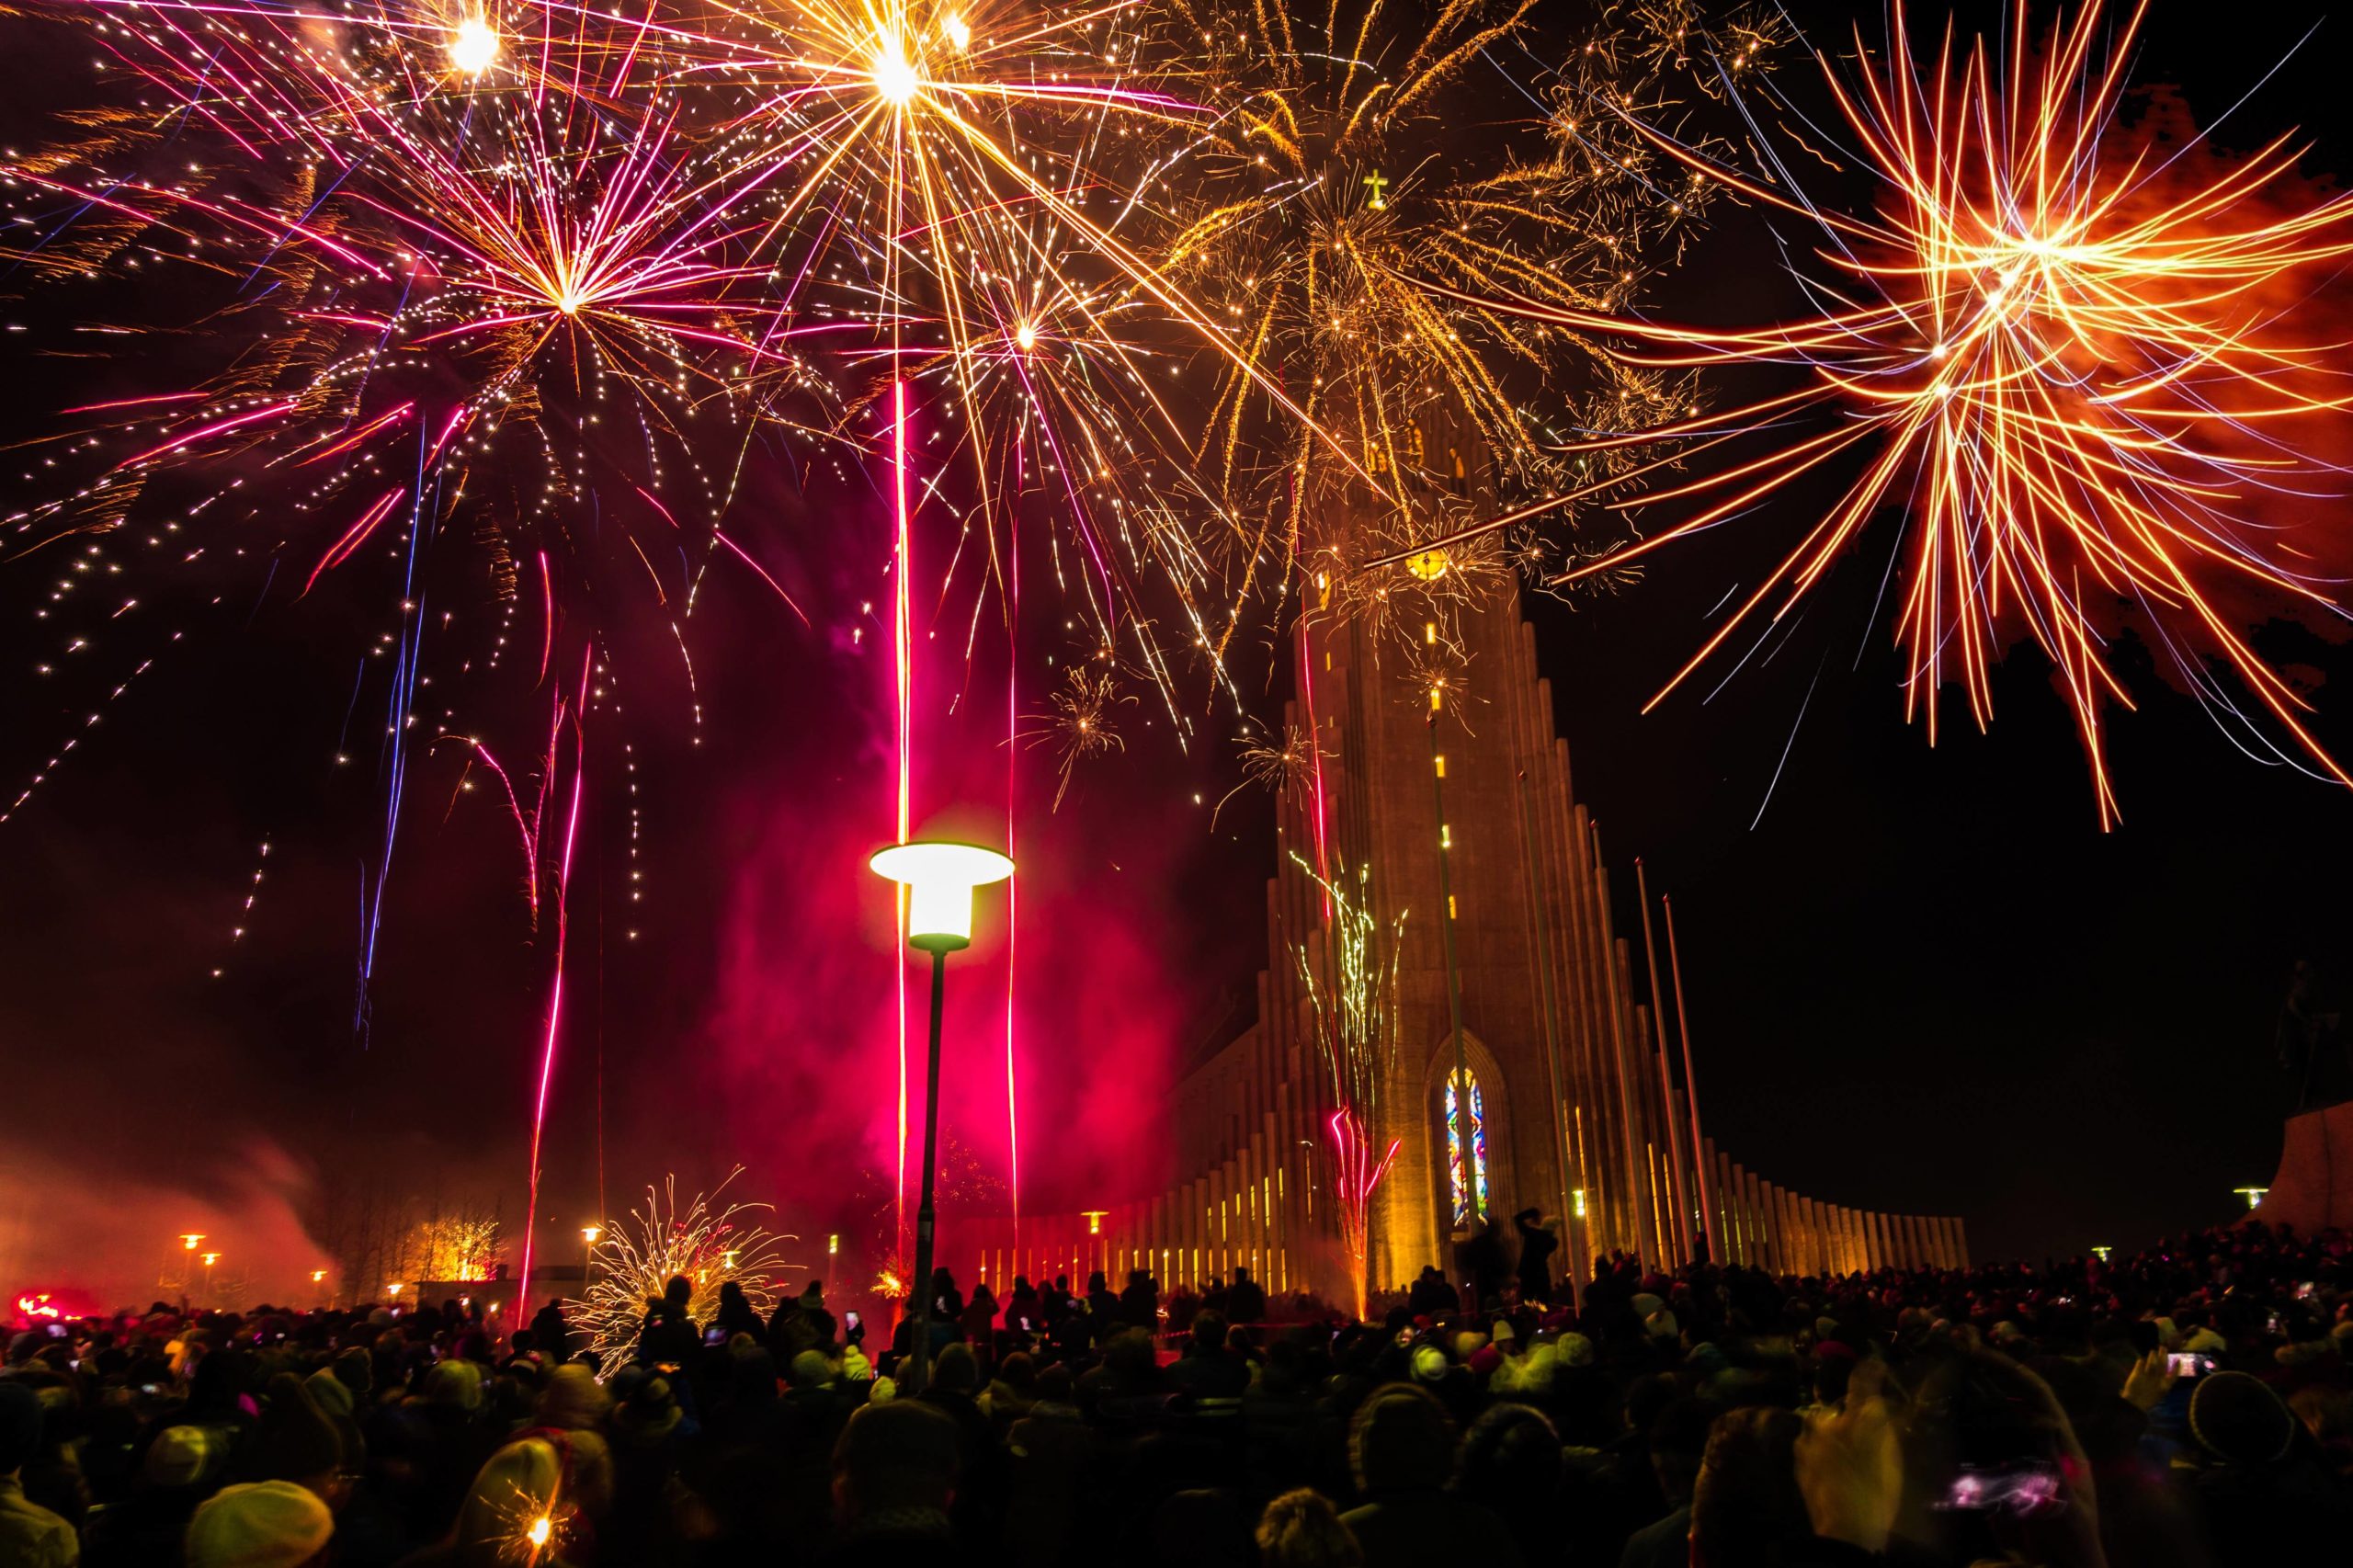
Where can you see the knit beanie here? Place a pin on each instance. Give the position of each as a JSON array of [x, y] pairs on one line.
[[573, 1399], [457, 1384], [180, 1456], [2239, 1420], [356, 1370], [517, 1485], [292, 1441], [270, 1524], [328, 1393]]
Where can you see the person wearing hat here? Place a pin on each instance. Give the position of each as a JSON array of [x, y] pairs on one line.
[[647, 1412], [1401, 1454], [30, 1534], [574, 1400], [265, 1524], [294, 1440], [147, 1526], [2269, 1495], [894, 1473], [517, 1510]]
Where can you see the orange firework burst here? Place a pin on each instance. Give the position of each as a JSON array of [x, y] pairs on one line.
[[2075, 356]]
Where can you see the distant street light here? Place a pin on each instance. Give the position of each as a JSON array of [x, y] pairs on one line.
[[939, 878], [2254, 1195]]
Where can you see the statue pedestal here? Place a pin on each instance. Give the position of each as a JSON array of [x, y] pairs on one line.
[[2313, 1188]]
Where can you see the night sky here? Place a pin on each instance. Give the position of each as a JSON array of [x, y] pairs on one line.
[[1920, 980]]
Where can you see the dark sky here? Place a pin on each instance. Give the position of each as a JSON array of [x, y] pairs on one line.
[[1919, 981]]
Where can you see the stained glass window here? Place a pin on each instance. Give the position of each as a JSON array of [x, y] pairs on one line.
[[1476, 1189]]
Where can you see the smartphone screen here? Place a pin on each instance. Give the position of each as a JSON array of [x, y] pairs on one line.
[[2188, 1364], [851, 1319], [2026, 1488]]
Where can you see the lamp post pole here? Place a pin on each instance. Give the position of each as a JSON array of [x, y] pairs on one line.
[[920, 1367], [939, 878]]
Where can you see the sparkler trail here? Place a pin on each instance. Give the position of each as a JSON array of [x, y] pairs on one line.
[[563, 926], [2086, 365], [1351, 986]]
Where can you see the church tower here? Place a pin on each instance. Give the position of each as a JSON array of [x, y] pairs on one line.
[[1458, 812]]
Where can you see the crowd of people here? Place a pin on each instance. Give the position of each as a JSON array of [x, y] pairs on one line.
[[2191, 1406]]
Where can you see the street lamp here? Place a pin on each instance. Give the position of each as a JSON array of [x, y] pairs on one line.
[[210, 1259], [588, 1235], [939, 878], [2254, 1195]]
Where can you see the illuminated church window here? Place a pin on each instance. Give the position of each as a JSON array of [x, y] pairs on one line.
[[1476, 1188]]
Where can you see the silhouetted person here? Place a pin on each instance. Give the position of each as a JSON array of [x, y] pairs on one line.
[[1246, 1302], [1537, 1246], [668, 1336]]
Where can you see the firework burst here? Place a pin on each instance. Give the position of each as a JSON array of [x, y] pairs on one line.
[[1079, 721], [2072, 353], [635, 1258], [1329, 191]]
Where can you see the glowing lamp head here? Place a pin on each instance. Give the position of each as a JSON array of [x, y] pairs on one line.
[[189, 1238], [939, 878], [590, 1233], [473, 46], [894, 76], [318, 1275], [211, 1258], [1428, 565]]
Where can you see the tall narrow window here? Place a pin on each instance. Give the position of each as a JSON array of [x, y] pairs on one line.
[[1469, 1186]]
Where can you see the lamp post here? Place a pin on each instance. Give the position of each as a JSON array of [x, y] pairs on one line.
[[588, 1235], [210, 1259], [939, 878]]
